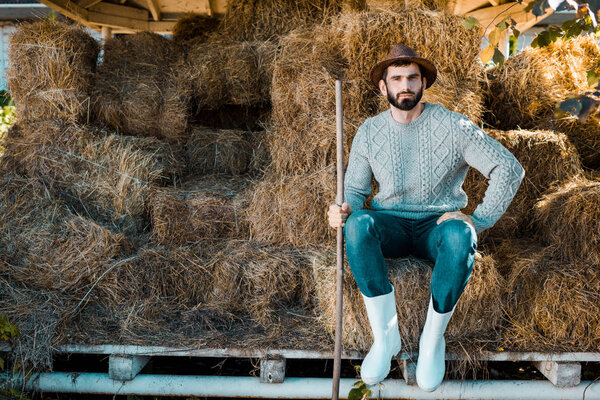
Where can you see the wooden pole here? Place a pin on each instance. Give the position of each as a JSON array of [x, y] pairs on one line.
[[337, 355]]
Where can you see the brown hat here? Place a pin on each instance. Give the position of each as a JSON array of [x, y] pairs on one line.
[[399, 52]]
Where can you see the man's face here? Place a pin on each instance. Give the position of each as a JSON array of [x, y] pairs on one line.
[[403, 86]]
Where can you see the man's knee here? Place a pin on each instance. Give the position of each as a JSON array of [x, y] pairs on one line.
[[457, 235], [358, 225]]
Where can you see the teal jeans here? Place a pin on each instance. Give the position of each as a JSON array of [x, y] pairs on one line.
[[372, 236]]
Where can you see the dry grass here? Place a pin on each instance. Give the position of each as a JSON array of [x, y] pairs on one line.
[[567, 219], [527, 89], [552, 305], [292, 209], [229, 151], [196, 27], [303, 97], [104, 175], [584, 135], [140, 89], [225, 72], [201, 209], [51, 71], [477, 319], [547, 158]]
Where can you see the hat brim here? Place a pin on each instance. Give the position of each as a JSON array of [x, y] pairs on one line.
[[430, 72]]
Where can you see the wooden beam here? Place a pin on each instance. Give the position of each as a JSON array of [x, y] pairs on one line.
[[115, 21], [154, 9], [106, 33], [461, 7], [493, 2], [161, 26], [121, 11], [70, 10], [524, 19], [88, 3]]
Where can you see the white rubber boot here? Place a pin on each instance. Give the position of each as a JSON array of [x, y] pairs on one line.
[[431, 364], [386, 344]]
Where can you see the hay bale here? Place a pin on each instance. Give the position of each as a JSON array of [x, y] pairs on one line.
[[140, 89], [303, 96], [553, 305], [225, 72], [51, 71], [226, 151], [529, 86], [105, 176], [477, 318], [260, 280], [584, 135], [196, 27], [201, 209], [567, 219], [282, 208], [547, 158]]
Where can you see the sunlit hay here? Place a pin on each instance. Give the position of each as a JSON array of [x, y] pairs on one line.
[[529, 86], [552, 305], [436, 36], [292, 209], [71, 258], [225, 72], [476, 320], [140, 87], [567, 218], [584, 135], [194, 27], [51, 71], [269, 19], [398, 5], [201, 209], [261, 280], [547, 157], [219, 151], [303, 93], [102, 174]]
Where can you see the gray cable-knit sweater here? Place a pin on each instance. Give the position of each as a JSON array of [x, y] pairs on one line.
[[420, 166]]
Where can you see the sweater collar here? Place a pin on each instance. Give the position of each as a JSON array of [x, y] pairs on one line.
[[410, 125]]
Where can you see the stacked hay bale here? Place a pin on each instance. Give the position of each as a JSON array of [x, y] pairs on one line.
[[54, 73], [525, 92], [302, 138], [140, 89]]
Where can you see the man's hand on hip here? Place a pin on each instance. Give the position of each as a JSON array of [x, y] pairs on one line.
[[456, 215], [338, 215]]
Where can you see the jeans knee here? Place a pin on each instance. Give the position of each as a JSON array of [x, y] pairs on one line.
[[358, 225], [458, 236]]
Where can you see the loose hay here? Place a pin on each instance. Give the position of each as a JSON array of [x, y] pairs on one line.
[[567, 218], [261, 280], [51, 71], [529, 86], [547, 158], [222, 151], [476, 321], [196, 27], [225, 72], [292, 209], [553, 305], [584, 135], [202, 209], [140, 88], [104, 175]]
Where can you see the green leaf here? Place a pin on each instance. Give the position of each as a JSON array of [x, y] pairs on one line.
[[359, 384], [498, 58], [592, 77], [486, 54], [516, 33], [469, 22], [355, 394], [502, 25]]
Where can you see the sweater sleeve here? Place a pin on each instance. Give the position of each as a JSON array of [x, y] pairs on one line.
[[498, 165], [358, 177]]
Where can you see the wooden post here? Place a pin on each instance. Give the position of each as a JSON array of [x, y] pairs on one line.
[[337, 354], [106, 33]]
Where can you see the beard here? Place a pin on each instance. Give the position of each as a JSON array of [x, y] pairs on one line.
[[406, 103]]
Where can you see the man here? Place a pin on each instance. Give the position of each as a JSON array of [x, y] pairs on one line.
[[419, 154]]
